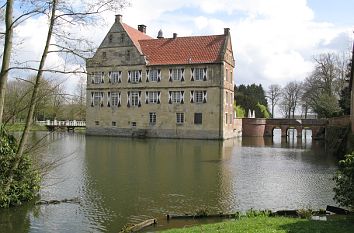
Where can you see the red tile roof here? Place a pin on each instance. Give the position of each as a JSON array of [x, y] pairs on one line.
[[135, 35], [183, 50]]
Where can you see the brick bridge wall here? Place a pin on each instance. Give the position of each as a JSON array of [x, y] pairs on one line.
[[260, 127]]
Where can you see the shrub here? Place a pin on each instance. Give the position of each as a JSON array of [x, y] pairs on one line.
[[263, 109], [344, 179], [26, 179]]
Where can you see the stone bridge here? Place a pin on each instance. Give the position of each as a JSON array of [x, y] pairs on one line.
[[260, 127]]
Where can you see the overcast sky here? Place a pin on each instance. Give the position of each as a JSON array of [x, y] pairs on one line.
[[273, 40]]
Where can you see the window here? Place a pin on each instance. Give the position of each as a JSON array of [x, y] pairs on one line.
[[133, 124], [198, 118], [134, 98], [176, 74], [152, 118], [176, 96], [97, 77], [226, 74], [179, 117], [231, 99], [121, 38], [135, 76], [153, 96], [198, 96], [227, 97], [115, 76], [110, 37], [104, 55], [226, 118], [97, 123], [114, 123], [128, 54], [231, 77], [153, 74], [199, 74], [115, 98], [230, 118], [97, 98]]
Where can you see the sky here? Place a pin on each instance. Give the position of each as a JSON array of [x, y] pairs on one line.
[[274, 41]]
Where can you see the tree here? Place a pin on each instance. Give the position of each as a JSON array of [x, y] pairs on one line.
[[249, 96], [6, 54], [344, 100], [291, 95], [274, 94], [323, 86], [263, 109], [60, 13], [344, 179]]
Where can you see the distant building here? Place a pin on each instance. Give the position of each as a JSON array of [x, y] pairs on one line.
[[179, 87]]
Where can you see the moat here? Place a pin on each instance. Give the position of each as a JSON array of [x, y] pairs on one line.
[[122, 181]]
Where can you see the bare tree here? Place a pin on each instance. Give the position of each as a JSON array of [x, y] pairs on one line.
[[274, 94], [323, 86], [6, 54], [291, 94], [60, 13]]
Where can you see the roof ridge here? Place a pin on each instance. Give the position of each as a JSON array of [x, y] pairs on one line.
[[171, 38]]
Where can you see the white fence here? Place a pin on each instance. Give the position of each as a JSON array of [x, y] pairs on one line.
[[62, 123]]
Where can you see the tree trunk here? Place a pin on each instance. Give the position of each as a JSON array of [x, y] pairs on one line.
[[6, 55], [33, 101], [272, 110]]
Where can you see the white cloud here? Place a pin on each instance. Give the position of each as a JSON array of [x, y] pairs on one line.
[[273, 40]]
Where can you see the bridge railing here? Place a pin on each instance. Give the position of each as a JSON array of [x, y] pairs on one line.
[[65, 123]]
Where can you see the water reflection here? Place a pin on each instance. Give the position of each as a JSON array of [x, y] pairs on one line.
[[128, 180]]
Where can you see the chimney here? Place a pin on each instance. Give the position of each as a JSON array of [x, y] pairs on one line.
[[174, 35], [119, 18], [160, 34], [142, 28], [226, 31]]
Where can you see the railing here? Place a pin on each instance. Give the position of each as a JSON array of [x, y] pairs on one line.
[[73, 123]]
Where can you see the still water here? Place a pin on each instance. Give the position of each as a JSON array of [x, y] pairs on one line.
[[122, 181]]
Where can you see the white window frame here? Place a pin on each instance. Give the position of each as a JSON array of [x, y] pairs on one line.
[[115, 76], [153, 97], [97, 77], [135, 76], [176, 97], [134, 98], [198, 97], [153, 75], [97, 98], [152, 118], [176, 74], [114, 98], [199, 74], [180, 118]]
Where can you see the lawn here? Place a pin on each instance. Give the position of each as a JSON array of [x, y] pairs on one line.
[[263, 224], [21, 126]]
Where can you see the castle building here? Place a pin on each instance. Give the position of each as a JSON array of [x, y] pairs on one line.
[[179, 87]]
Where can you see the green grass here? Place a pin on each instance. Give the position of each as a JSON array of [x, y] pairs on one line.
[[263, 224], [21, 126]]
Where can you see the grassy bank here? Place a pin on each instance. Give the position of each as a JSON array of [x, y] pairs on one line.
[[21, 126], [263, 224]]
